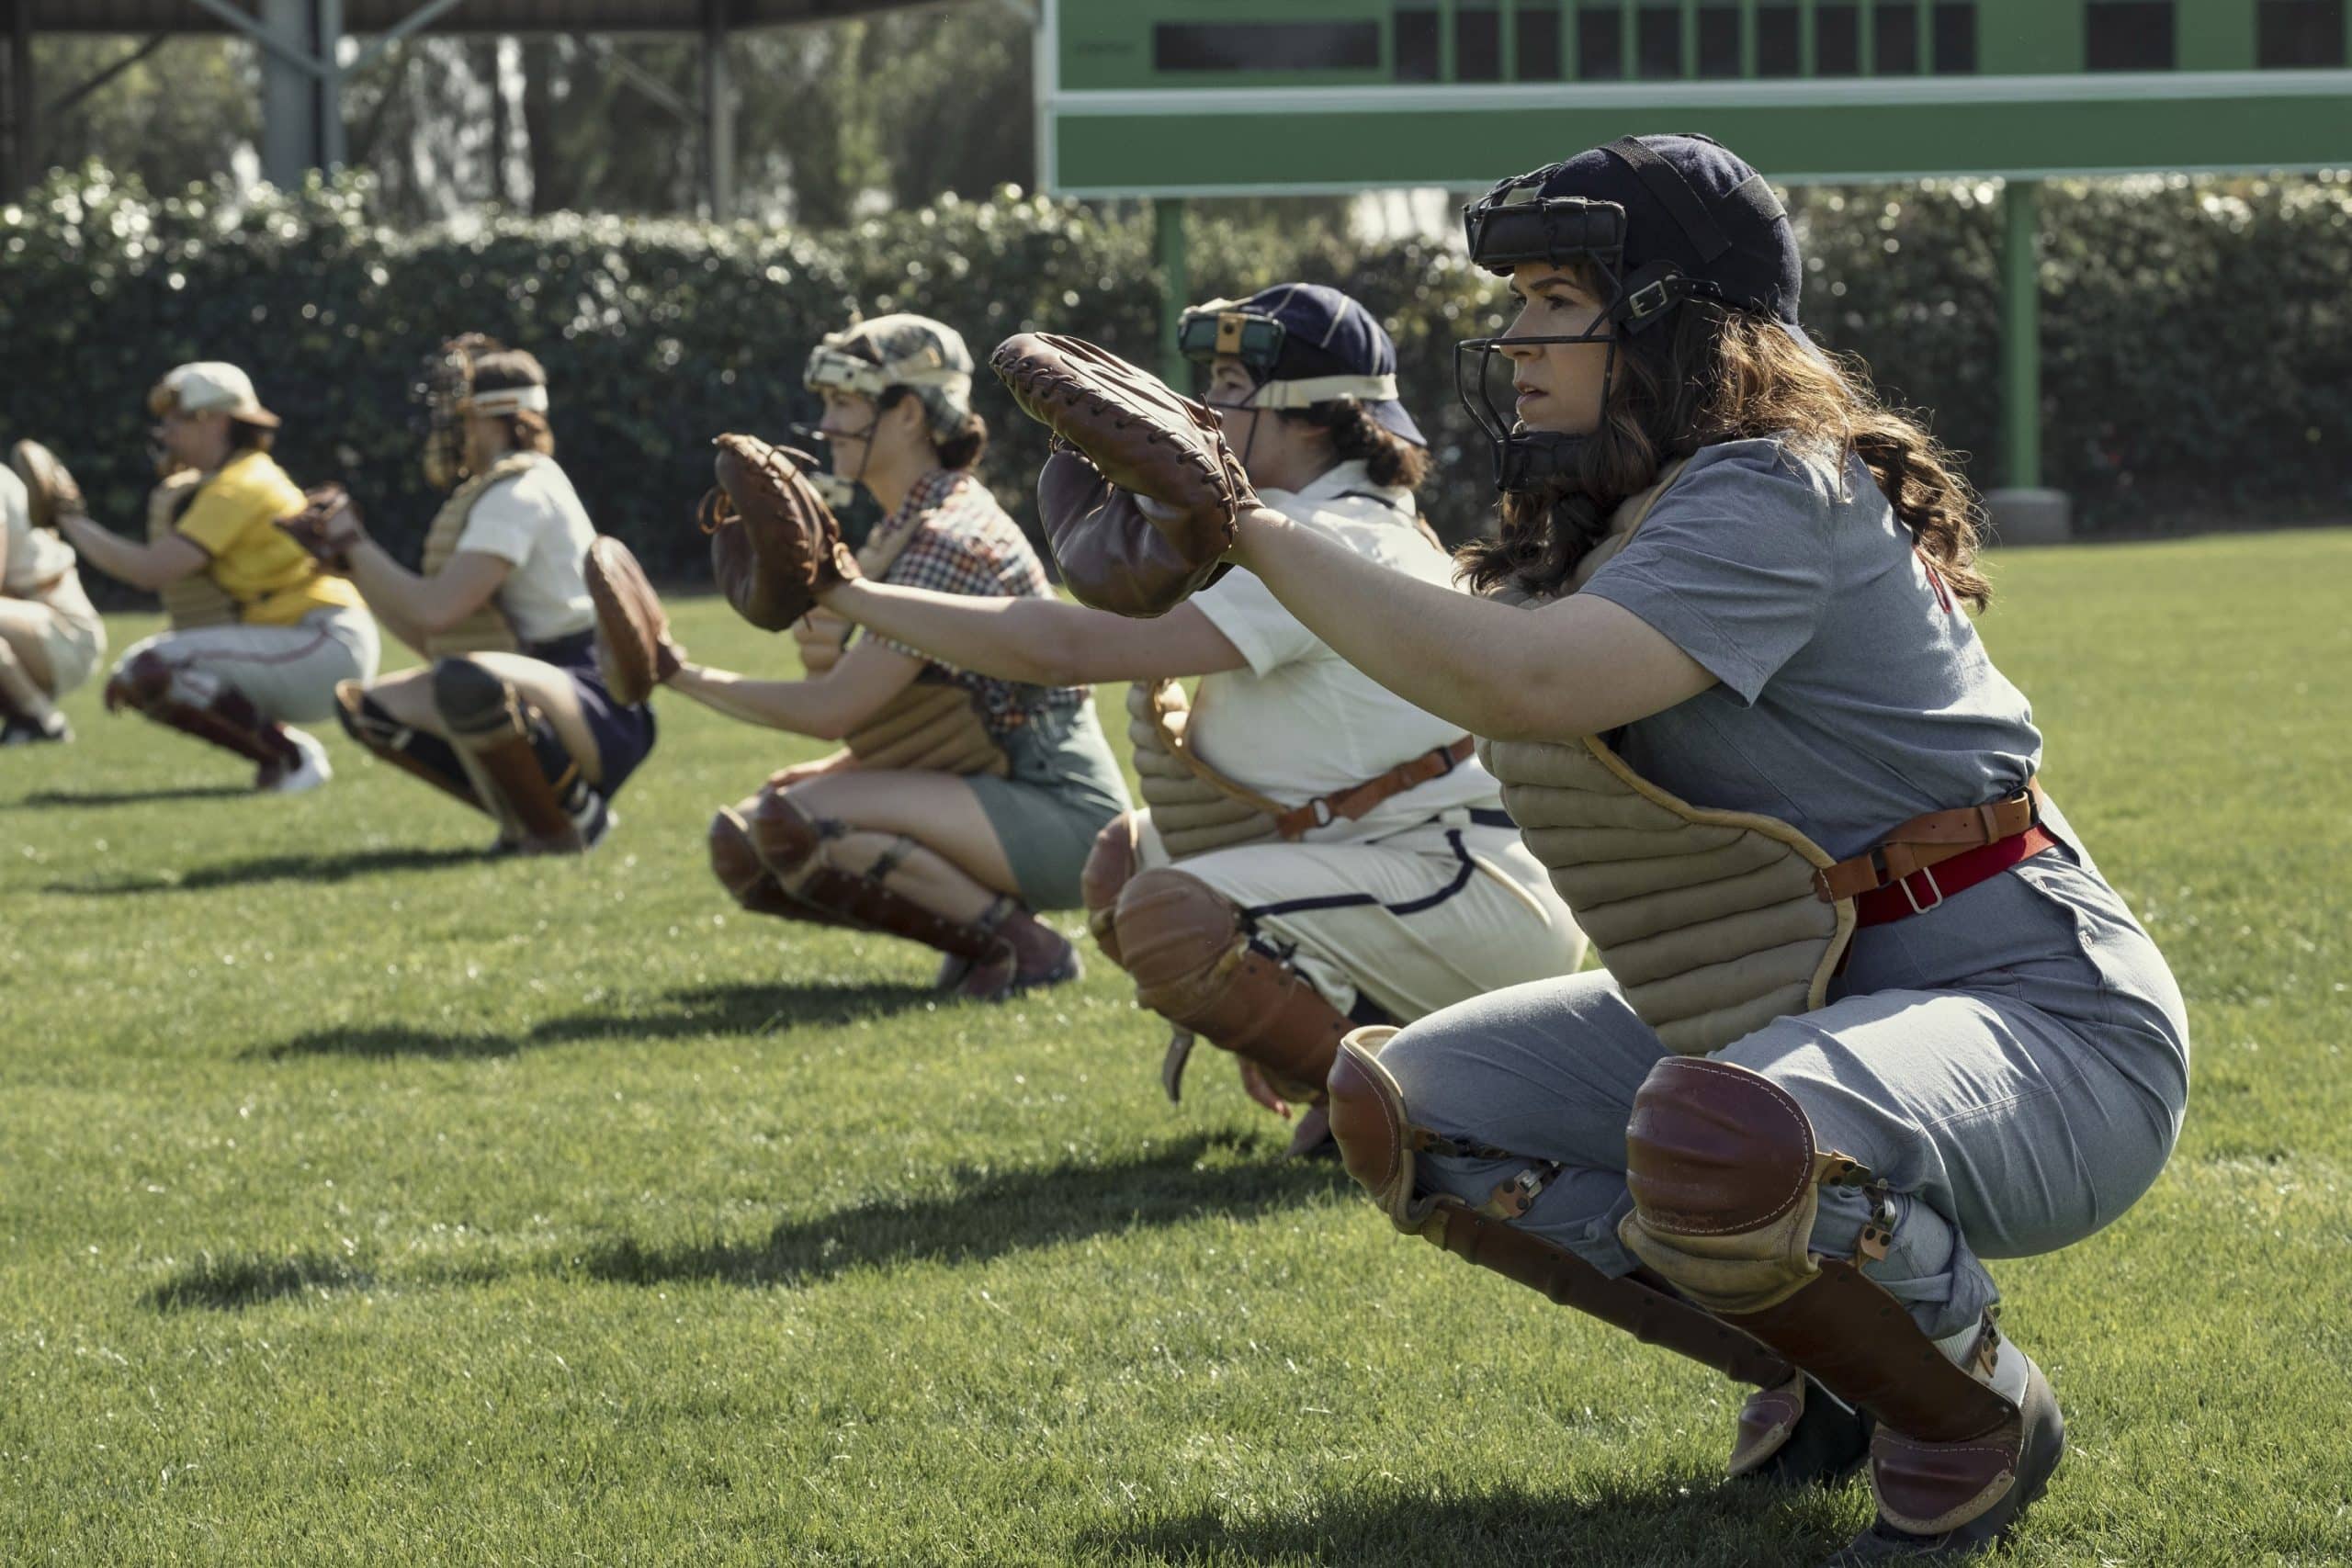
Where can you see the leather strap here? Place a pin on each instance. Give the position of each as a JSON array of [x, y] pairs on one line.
[[1923, 890], [1352, 804], [1930, 841]]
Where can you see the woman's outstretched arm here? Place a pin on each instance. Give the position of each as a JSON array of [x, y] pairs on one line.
[[1043, 641], [1580, 666], [827, 707]]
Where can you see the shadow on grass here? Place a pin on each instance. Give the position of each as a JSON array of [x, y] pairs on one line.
[[695, 1013], [990, 1215], [51, 799], [231, 1284], [1694, 1521], [314, 869]]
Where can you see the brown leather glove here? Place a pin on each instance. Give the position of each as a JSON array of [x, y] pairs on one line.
[[1123, 438], [774, 544], [327, 526], [633, 646], [50, 490]]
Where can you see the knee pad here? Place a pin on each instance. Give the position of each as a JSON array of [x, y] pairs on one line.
[[784, 839], [1186, 946], [1110, 866], [1725, 1180], [1376, 1139], [141, 682], [472, 698], [1180, 938]]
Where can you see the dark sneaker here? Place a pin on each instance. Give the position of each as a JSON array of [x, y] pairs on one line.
[[18, 731]]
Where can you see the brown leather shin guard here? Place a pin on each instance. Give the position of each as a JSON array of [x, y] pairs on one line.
[[792, 846], [395, 743], [229, 721], [1192, 964], [1378, 1143], [491, 734], [1725, 1178]]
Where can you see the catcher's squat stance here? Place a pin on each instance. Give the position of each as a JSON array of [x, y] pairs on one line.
[[50, 639], [258, 636], [1872, 1013], [1317, 852], [960, 803], [511, 715]]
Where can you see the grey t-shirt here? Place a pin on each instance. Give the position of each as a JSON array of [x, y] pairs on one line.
[[1853, 695]]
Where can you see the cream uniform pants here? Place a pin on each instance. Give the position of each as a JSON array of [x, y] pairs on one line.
[[1414, 921]]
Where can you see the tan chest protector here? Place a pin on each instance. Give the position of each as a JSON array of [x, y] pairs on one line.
[[195, 600], [487, 630], [1707, 919], [930, 726]]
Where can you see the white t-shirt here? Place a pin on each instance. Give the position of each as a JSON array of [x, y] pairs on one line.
[[35, 555], [535, 521], [1301, 721]]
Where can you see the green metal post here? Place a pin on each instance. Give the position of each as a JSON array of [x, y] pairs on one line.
[[1175, 287], [2021, 335]]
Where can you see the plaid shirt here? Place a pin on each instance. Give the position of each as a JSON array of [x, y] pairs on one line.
[[967, 545]]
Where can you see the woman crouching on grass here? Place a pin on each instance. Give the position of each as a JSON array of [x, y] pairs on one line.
[[961, 803], [1872, 1015]]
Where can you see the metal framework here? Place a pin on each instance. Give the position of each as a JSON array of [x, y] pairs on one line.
[[301, 46]]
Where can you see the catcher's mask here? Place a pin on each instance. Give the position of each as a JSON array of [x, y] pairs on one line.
[[446, 389], [923, 358], [1301, 344], [1657, 220]]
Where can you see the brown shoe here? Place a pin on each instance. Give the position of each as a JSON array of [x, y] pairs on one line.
[[1920, 1483], [1796, 1435]]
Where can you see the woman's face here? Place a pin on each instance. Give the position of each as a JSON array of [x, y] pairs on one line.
[[1230, 384], [194, 440], [1559, 385], [486, 442], [847, 426]]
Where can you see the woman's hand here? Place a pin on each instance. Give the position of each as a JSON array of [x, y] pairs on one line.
[[800, 772]]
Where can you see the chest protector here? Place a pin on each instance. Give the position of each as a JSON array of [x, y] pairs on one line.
[[487, 630], [195, 600], [930, 726], [1707, 919]]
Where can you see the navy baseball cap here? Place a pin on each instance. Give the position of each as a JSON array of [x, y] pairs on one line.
[[1306, 343], [1685, 216]]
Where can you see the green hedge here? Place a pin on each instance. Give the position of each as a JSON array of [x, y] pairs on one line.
[[2198, 338]]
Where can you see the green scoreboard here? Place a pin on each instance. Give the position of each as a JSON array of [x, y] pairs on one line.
[[1196, 97]]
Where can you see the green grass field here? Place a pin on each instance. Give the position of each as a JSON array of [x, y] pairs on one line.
[[364, 1200]]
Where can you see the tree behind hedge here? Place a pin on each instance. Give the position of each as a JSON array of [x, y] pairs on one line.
[[2199, 353]]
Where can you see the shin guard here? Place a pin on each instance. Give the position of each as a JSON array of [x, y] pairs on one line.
[[414, 751], [516, 763], [1725, 1178], [796, 849], [1378, 1143], [1192, 962], [199, 704]]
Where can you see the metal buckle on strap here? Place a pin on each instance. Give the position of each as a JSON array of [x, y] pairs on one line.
[[1928, 873], [1647, 300], [1320, 809]]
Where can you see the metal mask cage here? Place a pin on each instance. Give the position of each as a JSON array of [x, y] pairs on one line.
[[444, 387]]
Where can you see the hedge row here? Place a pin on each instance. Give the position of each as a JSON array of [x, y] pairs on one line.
[[2198, 338]]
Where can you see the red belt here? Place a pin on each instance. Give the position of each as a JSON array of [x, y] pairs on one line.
[[1929, 886]]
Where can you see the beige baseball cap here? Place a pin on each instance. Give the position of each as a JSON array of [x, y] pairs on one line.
[[208, 386]]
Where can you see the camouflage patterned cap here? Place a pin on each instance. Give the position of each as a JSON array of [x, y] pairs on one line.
[[898, 350]]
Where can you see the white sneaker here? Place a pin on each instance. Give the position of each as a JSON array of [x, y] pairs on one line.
[[306, 774]]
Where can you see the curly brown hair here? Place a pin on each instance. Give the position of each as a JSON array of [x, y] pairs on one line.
[[1721, 374], [1389, 458]]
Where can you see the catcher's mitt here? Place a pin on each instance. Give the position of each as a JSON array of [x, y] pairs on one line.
[[50, 490], [1142, 497], [633, 646], [775, 543], [327, 526]]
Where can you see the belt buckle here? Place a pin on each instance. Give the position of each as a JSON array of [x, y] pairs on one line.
[[1322, 809], [1927, 872]]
